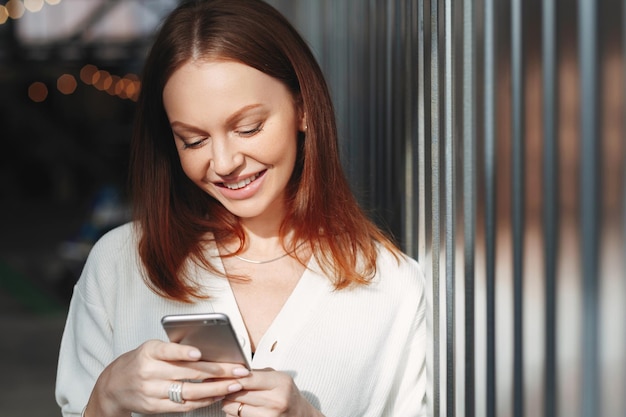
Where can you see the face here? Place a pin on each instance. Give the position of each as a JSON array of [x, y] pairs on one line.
[[236, 130]]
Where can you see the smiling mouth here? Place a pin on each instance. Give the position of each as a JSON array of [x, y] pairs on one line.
[[243, 183]]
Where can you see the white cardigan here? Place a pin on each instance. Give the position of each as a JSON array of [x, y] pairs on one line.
[[357, 352]]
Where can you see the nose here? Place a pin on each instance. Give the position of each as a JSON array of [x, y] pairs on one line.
[[226, 158]]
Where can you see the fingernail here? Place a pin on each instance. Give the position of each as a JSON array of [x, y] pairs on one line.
[[194, 354], [216, 399], [240, 372], [234, 387]]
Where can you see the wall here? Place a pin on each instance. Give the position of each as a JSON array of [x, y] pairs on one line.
[[488, 136]]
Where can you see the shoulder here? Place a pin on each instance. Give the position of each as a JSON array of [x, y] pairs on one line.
[[117, 244], [398, 264], [118, 238], [115, 247], [399, 274], [113, 255]]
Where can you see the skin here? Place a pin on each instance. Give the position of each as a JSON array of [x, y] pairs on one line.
[[232, 123], [139, 380], [236, 131]]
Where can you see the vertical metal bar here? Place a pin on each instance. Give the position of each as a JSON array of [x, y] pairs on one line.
[[374, 106], [518, 202], [623, 240], [490, 77], [436, 222], [409, 122], [550, 200], [399, 175], [589, 194], [450, 203], [469, 198], [388, 97], [421, 132], [356, 115]]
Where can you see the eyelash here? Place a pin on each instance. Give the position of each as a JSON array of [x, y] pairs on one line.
[[244, 133], [251, 132], [193, 144]]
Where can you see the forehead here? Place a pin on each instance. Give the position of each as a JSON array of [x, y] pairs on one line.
[[221, 87]]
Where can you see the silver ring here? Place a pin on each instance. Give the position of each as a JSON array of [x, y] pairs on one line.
[[239, 409], [175, 392]]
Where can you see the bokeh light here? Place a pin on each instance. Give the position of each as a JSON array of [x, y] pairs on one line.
[[15, 8], [66, 84], [37, 92], [33, 5], [126, 87], [4, 14], [87, 73], [102, 80], [114, 80]]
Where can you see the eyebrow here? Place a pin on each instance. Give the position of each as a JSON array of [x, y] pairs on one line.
[[238, 114], [241, 111]]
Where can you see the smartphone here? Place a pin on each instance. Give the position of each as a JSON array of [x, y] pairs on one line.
[[211, 333]]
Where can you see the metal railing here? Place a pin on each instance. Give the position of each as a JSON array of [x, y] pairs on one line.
[[489, 137]]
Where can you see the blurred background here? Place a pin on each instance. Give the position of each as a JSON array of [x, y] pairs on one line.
[[68, 81], [486, 136]]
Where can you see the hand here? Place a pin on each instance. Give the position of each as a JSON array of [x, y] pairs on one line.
[[139, 380], [268, 393]]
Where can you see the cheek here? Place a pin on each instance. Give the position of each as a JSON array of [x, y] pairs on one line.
[[192, 167]]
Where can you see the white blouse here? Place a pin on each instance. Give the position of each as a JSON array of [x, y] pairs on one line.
[[356, 352]]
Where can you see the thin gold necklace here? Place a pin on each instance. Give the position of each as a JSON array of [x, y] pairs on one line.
[[252, 261]]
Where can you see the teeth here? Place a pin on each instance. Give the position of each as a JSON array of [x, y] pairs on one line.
[[242, 183]]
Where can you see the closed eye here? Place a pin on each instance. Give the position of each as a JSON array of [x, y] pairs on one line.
[[194, 143], [248, 132]]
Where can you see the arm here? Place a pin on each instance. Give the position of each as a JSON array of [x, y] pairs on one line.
[[411, 373], [135, 381], [93, 369]]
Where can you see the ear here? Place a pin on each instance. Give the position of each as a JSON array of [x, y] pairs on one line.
[[302, 125]]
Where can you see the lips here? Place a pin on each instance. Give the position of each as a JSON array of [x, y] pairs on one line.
[[242, 183]]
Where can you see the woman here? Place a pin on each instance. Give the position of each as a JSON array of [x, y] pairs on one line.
[[241, 207]]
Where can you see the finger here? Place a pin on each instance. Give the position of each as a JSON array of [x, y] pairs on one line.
[[203, 371], [182, 362], [160, 401], [266, 390], [168, 406], [246, 410], [199, 391], [265, 379], [239, 409], [167, 351]]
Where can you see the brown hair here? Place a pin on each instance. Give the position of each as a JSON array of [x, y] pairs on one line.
[[174, 216]]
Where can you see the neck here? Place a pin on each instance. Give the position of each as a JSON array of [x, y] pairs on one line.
[[264, 229], [260, 244]]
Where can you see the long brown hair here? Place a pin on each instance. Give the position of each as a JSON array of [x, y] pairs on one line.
[[174, 216]]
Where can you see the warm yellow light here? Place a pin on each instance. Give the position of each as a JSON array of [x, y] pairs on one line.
[[66, 84], [131, 89], [112, 87], [15, 8], [135, 96], [37, 92], [87, 73], [107, 82], [4, 15], [53, 2], [120, 88], [33, 5], [102, 80]]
